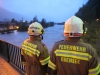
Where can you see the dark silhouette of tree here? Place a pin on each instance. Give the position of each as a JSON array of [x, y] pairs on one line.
[[90, 11], [43, 23], [23, 26], [6, 25], [31, 22], [93, 34], [50, 23], [35, 19], [13, 20]]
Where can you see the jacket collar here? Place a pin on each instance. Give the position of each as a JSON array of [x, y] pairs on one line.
[[35, 38], [74, 39]]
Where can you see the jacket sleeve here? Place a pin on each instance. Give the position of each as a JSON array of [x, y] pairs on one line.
[[94, 65], [44, 57], [22, 57], [52, 63]]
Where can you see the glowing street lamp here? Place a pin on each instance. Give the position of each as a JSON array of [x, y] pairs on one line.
[[17, 27]]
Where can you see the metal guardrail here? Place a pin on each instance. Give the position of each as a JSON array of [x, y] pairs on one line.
[[12, 54]]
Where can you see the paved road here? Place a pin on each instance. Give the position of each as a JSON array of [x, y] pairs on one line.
[[7, 69]]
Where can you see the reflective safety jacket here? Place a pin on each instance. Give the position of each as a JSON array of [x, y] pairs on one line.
[[73, 57], [35, 55]]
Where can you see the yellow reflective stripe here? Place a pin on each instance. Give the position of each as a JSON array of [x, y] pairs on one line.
[[95, 71], [73, 54], [27, 50], [52, 65], [31, 50], [45, 61], [30, 44]]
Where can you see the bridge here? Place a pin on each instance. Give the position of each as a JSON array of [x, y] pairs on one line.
[[10, 59]]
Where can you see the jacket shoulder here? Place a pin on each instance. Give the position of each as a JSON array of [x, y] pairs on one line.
[[59, 41]]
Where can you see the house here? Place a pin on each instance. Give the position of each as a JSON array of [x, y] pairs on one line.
[[13, 26], [7, 25]]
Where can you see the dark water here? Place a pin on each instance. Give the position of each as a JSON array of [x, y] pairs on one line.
[[52, 35]]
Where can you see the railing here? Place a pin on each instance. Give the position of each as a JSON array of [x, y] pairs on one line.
[[12, 54]]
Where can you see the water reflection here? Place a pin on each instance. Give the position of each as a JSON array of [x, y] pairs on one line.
[[15, 31]]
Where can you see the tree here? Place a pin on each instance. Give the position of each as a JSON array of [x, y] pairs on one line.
[[43, 23], [90, 11], [23, 26], [6, 25], [13, 20], [35, 19], [93, 34]]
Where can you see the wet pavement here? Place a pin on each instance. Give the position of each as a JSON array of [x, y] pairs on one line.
[[8, 69]]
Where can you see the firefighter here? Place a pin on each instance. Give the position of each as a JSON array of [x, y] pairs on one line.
[[34, 52], [72, 56]]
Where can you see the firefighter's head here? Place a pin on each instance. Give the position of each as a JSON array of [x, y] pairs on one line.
[[35, 29], [74, 27]]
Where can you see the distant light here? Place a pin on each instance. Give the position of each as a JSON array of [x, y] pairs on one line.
[[97, 19], [23, 21], [17, 27]]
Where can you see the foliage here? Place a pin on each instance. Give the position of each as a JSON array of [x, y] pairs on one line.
[[43, 23], [90, 14], [46, 24], [93, 35], [90, 11], [23, 26], [35, 19], [13, 20]]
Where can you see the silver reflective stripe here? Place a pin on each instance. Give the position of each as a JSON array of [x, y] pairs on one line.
[[73, 54]]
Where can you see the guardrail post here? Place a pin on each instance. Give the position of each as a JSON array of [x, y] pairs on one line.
[[8, 52]]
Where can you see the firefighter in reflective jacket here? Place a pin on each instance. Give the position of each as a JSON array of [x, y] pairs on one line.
[[72, 56], [34, 53]]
